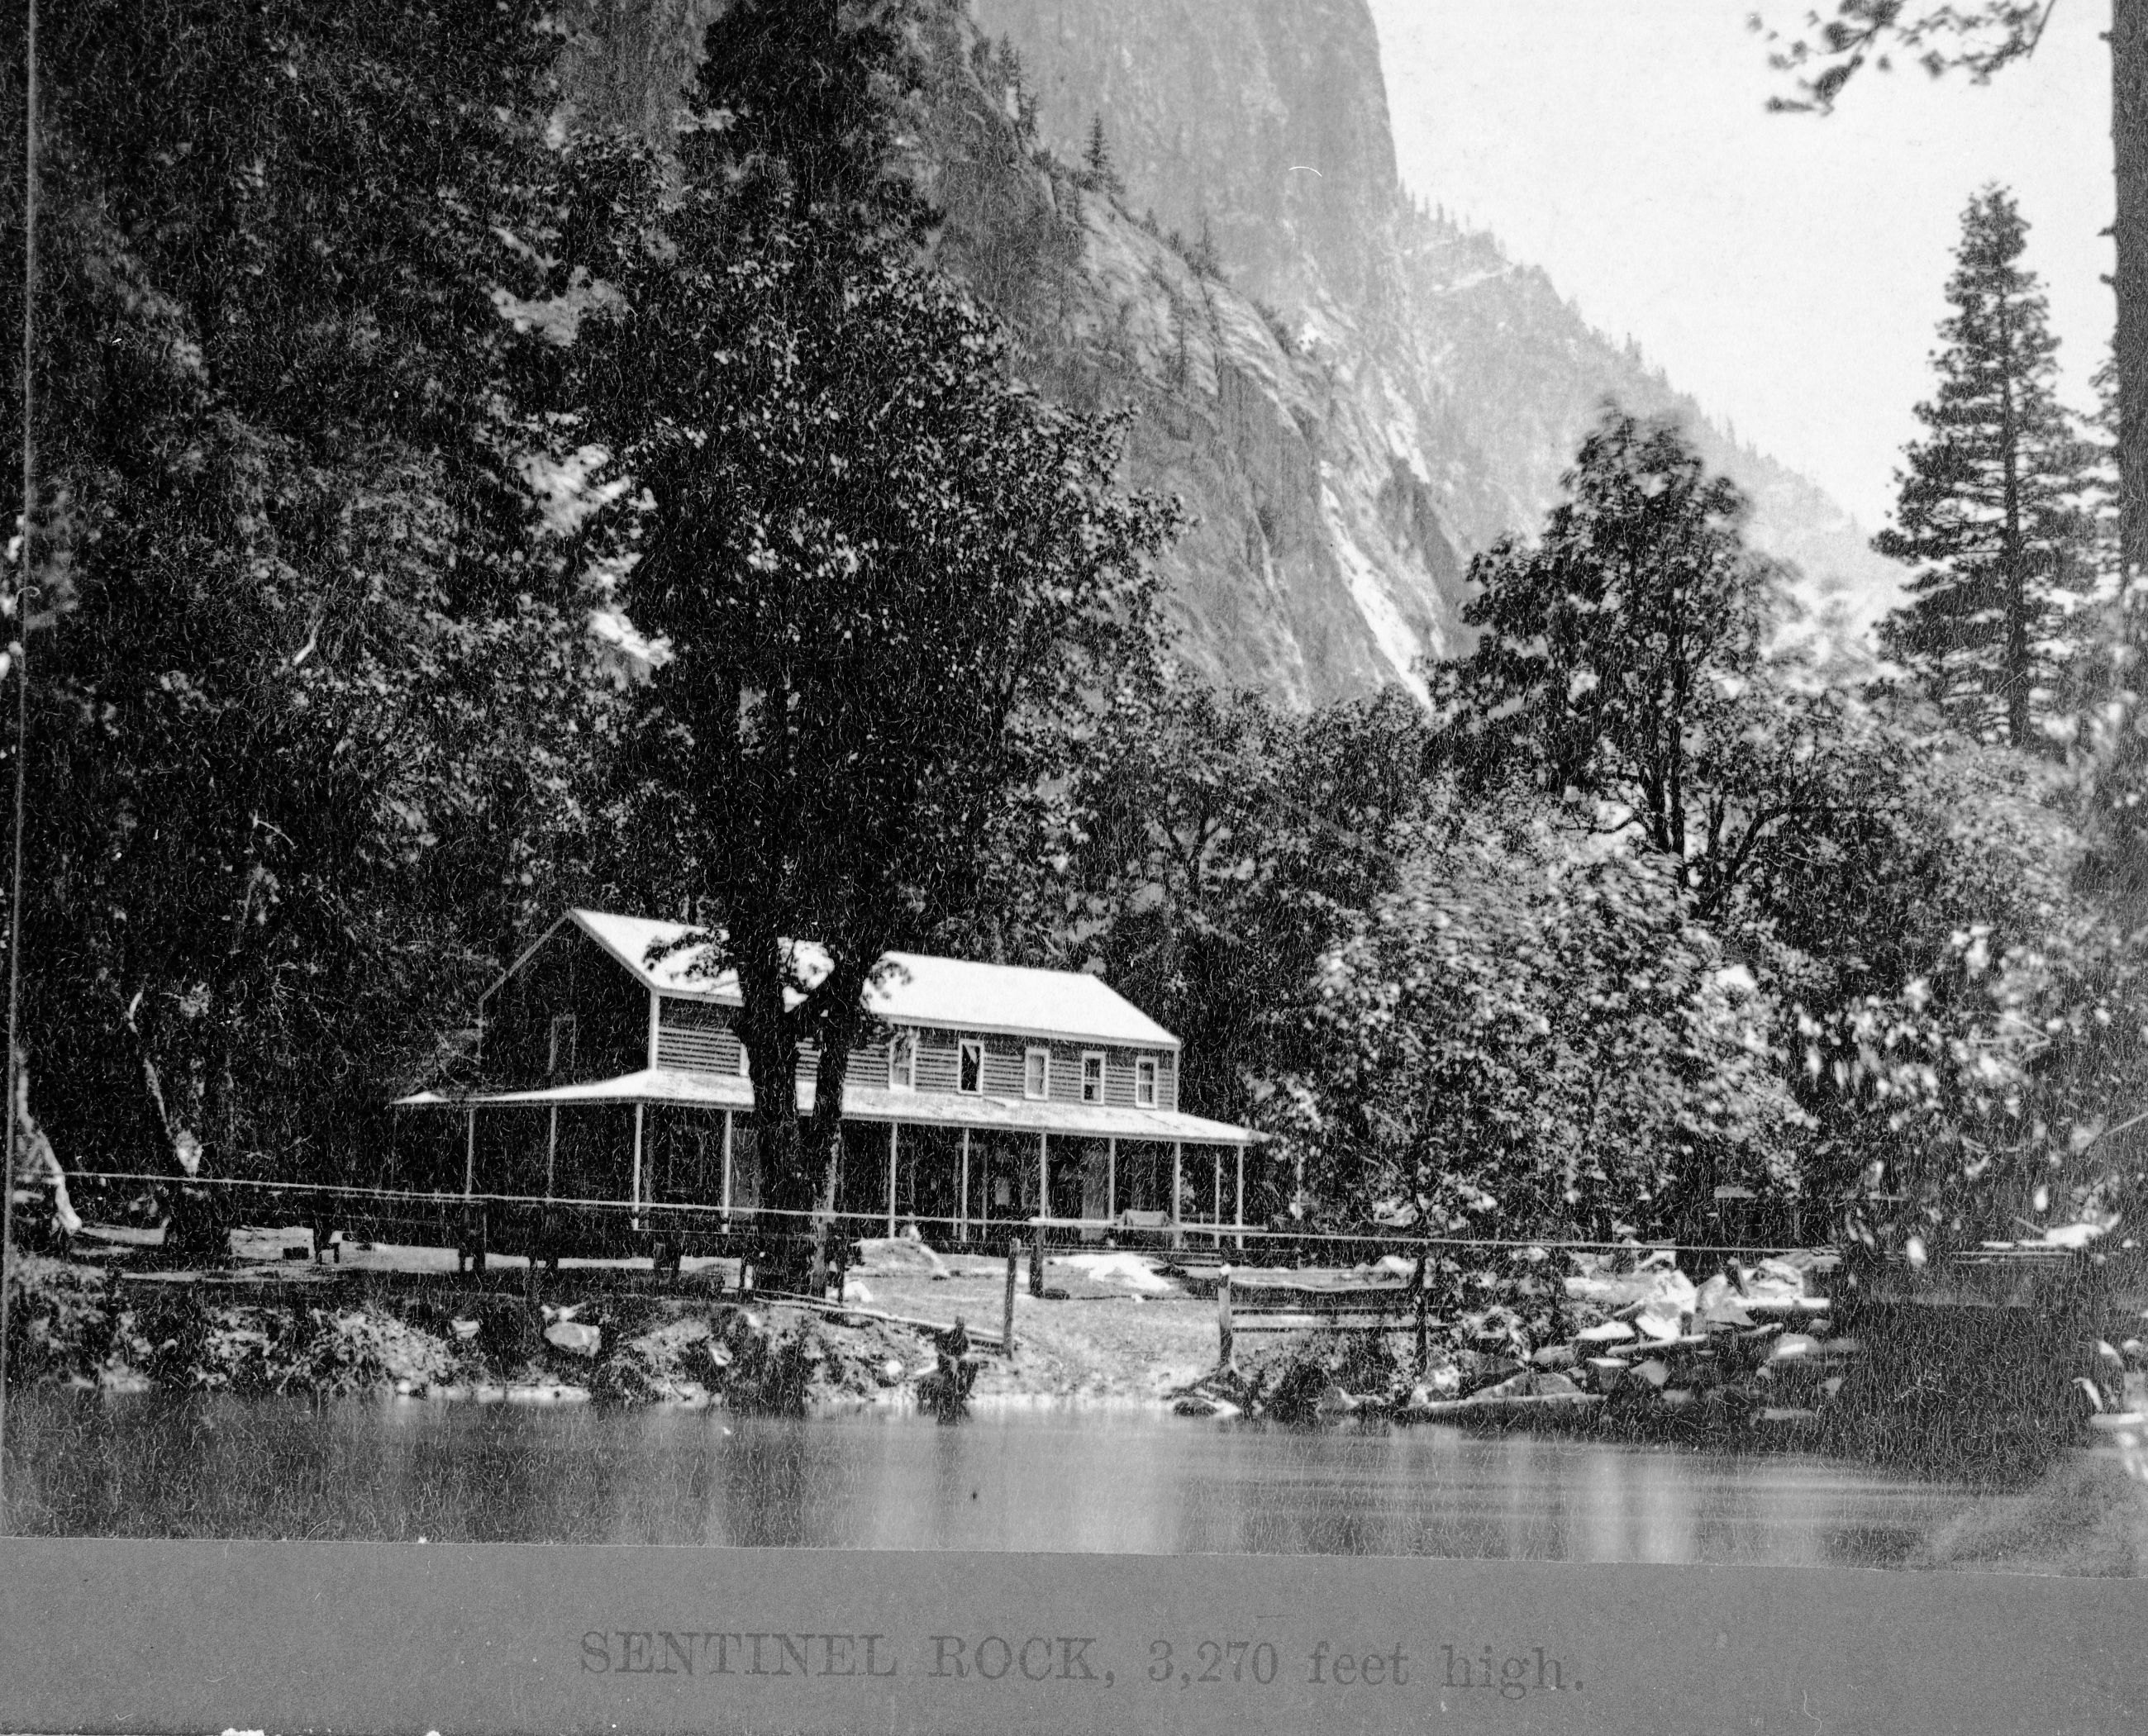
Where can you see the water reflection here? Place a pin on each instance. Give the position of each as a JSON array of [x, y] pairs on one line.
[[157, 1465]]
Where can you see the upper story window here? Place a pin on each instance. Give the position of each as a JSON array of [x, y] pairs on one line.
[[970, 1066], [902, 1062], [1092, 1077], [562, 1059], [1036, 1073], [1145, 1082]]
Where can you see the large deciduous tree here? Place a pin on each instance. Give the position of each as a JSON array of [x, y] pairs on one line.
[[1992, 509], [308, 688], [1621, 666], [892, 582]]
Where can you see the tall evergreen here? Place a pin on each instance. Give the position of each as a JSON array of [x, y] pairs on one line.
[[1991, 510]]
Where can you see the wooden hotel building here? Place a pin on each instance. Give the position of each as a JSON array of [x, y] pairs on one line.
[[986, 1098]]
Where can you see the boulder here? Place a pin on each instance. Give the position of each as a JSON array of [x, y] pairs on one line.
[[1334, 1402], [1605, 1372], [1611, 1331], [1530, 1384], [574, 1338], [1773, 1281], [1554, 1356]]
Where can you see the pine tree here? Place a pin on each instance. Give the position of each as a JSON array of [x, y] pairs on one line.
[[1991, 510], [1098, 160]]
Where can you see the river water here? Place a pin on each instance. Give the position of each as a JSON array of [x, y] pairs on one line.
[[1027, 1479]]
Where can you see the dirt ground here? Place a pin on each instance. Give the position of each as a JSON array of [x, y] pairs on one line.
[[1102, 1339]]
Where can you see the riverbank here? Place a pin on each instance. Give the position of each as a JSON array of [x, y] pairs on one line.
[[267, 1326], [1638, 1353]]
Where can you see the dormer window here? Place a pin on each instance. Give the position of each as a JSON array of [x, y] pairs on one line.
[[1145, 1082], [1092, 1077], [902, 1062], [1036, 1073], [970, 1066], [563, 1044]]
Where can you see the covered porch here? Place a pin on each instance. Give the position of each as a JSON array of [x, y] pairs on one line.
[[676, 1150]]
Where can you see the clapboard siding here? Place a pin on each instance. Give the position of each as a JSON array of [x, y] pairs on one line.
[[938, 1061], [567, 974], [1003, 1065], [698, 1052], [693, 1036]]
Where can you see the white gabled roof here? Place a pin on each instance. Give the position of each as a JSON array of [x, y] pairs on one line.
[[914, 988], [957, 994]]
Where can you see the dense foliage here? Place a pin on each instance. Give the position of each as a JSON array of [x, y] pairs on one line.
[[310, 683]]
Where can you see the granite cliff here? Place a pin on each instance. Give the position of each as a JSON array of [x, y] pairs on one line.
[[1352, 394], [1366, 394]]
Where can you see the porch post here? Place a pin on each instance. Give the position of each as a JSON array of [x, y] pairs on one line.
[[1239, 1217], [469, 1157], [1177, 1182], [1216, 1160], [1111, 1177], [894, 1128], [635, 1185], [552, 1152], [727, 1168], [962, 1198], [1044, 1175]]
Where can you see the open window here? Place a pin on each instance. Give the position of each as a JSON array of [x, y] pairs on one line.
[[1145, 1082], [1036, 1073], [902, 1060], [1093, 1076], [562, 1059], [970, 1066]]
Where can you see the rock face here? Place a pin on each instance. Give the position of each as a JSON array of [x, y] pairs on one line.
[[1365, 394], [1351, 395]]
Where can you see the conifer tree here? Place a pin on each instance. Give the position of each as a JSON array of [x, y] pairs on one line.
[[1098, 159], [1991, 511]]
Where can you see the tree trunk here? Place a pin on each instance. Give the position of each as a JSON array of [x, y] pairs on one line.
[[838, 1034], [772, 1048], [2129, 133], [2014, 560]]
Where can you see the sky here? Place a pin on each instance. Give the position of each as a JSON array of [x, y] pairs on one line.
[[1789, 271]]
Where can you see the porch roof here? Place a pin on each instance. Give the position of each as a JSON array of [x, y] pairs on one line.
[[670, 1086]]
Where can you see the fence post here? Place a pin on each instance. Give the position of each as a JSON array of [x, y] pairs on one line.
[[1423, 1347], [1006, 1315], [1223, 1316], [532, 1311]]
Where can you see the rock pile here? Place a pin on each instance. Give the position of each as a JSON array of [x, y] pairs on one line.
[[1648, 1348]]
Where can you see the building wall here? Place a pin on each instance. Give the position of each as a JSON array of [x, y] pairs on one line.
[[569, 974], [695, 1036]]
